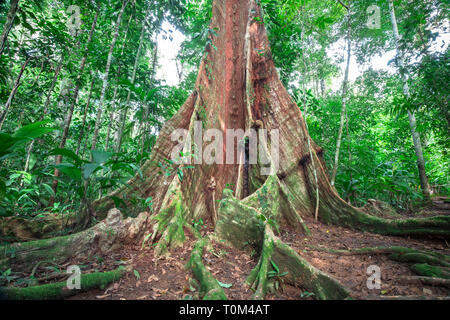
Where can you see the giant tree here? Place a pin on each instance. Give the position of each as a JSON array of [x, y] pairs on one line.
[[237, 89]]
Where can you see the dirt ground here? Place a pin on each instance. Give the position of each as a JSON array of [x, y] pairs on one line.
[[167, 278], [351, 270]]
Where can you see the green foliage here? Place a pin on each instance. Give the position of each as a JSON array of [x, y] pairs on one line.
[[377, 157]]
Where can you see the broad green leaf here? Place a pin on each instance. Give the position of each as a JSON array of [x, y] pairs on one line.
[[89, 168], [33, 130], [48, 189], [66, 153], [70, 170], [275, 266], [100, 156]]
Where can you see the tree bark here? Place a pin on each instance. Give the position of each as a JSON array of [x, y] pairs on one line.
[[237, 88], [86, 109], [113, 105], [344, 100], [13, 93], [105, 76], [411, 117], [14, 6], [68, 119], [133, 78]]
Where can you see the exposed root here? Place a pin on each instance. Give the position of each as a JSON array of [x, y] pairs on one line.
[[59, 290], [104, 237], [209, 287], [426, 270], [169, 229], [21, 229], [345, 215], [258, 278], [239, 225], [419, 257], [426, 281], [397, 253]]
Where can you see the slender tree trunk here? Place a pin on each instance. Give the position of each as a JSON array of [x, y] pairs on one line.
[[105, 76], [344, 101], [305, 106], [113, 104], [74, 99], [14, 6], [127, 102], [85, 144], [323, 87], [13, 93], [412, 118], [47, 103], [83, 123]]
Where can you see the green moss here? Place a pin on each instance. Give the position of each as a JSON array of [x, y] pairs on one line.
[[354, 218], [430, 271], [209, 287], [301, 273], [396, 252], [59, 290], [258, 278], [419, 257]]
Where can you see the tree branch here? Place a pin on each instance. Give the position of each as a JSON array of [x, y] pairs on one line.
[[343, 4]]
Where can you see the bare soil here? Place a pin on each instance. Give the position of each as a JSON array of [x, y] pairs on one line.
[[167, 278]]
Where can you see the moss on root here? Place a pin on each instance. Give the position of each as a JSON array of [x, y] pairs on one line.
[[258, 278], [171, 223], [419, 257], [104, 237], [302, 273], [59, 290], [238, 224], [424, 269], [396, 251], [356, 219], [209, 287]]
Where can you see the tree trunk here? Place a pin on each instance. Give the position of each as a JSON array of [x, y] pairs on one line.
[[412, 118], [237, 88], [113, 104], [13, 93], [14, 6], [344, 100], [69, 115], [133, 78], [106, 74], [86, 109]]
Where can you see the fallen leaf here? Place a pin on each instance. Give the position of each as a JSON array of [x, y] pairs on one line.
[[141, 298], [152, 278], [138, 283], [427, 292], [103, 296]]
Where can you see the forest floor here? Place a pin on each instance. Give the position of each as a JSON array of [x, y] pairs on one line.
[[167, 278]]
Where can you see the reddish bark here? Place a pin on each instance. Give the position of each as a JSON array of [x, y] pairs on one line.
[[238, 87]]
